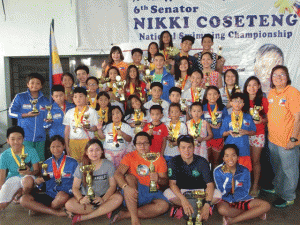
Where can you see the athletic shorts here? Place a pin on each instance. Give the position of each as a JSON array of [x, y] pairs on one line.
[[257, 140], [144, 197], [215, 144], [244, 205], [43, 198], [246, 162]]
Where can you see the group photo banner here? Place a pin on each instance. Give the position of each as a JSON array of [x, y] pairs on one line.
[[254, 35]]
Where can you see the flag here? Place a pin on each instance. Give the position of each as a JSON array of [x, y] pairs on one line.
[[55, 69]]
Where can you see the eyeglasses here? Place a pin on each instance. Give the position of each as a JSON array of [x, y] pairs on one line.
[[142, 144], [91, 85], [279, 75]]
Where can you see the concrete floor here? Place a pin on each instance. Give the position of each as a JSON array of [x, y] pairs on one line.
[[16, 215]]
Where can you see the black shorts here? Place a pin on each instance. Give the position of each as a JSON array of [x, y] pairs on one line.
[[43, 198]]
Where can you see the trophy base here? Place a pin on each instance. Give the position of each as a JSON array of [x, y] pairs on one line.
[[34, 112], [22, 169], [137, 123], [256, 119], [46, 177], [214, 123]]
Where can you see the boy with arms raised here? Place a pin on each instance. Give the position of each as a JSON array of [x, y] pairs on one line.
[[21, 108], [10, 160]]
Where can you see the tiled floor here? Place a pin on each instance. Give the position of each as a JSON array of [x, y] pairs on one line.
[[16, 215]]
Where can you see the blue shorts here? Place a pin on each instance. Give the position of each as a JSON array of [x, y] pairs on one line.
[[145, 197]]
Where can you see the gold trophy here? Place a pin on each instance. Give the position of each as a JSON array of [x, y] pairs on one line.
[[152, 157], [137, 122], [207, 80], [220, 52], [22, 163], [237, 88], [89, 180], [119, 85], [171, 135], [86, 124], [148, 78], [179, 83], [255, 113], [103, 111], [215, 120], [160, 102], [198, 94], [172, 52], [183, 105], [236, 130], [151, 126], [49, 115], [139, 89], [45, 175], [199, 195], [34, 109]]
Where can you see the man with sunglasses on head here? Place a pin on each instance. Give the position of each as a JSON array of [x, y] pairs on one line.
[[133, 176], [188, 172]]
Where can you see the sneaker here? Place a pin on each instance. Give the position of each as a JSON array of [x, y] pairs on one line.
[[271, 191], [281, 203]]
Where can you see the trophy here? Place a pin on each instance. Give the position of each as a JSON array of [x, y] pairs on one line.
[[199, 195], [88, 94], [100, 84], [183, 105], [152, 157], [86, 124], [89, 180], [148, 78], [45, 175], [215, 120], [236, 130], [160, 102], [171, 135], [151, 126], [34, 109], [179, 83], [119, 85], [146, 62], [140, 93], [49, 115], [256, 110], [118, 137], [103, 111], [198, 94], [137, 122], [172, 52], [207, 80], [220, 52], [237, 88], [22, 164]]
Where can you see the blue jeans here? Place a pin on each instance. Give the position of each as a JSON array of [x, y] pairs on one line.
[[285, 165]]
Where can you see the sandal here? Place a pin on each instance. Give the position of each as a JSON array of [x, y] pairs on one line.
[[115, 215]]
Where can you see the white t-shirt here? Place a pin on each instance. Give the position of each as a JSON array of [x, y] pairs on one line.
[[81, 133], [130, 119], [165, 105], [109, 143], [173, 151]]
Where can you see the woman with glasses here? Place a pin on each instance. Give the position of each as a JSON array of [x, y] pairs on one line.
[[284, 127]]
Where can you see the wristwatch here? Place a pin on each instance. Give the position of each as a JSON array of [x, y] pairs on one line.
[[209, 202], [292, 139]]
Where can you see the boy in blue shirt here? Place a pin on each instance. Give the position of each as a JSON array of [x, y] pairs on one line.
[[16, 179], [237, 127], [82, 73], [32, 123], [58, 111], [162, 76]]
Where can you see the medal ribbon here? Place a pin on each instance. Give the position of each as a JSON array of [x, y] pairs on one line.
[[240, 121], [212, 114], [78, 118], [227, 93], [177, 128], [141, 117], [192, 94], [115, 135], [93, 103], [15, 157], [184, 82], [64, 108], [57, 172], [193, 127], [131, 88]]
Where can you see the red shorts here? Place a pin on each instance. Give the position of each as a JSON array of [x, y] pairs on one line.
[[244, 205], [246, 162], [215, 144]]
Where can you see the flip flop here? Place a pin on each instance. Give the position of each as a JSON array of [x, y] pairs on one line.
[[76, 219], [115, 215]]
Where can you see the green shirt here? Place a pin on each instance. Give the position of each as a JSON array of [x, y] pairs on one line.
[[157, 77]]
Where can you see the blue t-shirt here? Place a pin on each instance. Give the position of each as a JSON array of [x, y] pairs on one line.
[[7, 161], [241, 142], [222, 114]]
